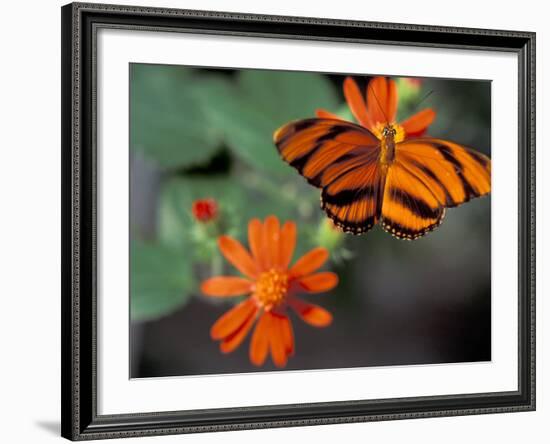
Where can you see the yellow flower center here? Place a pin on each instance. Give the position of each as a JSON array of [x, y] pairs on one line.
[[271, 288], [378, 131]]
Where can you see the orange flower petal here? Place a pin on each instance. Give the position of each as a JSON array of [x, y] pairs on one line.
[[324, 114], [419, 122], [381, 100], [235, 253], [255, 227], [309, 262], [271, 235], [231, 321], [319, 282], [288, 243], [232, 341], [226, 286], [259, 344], [276, 341], [392, 100], [311, 313], [376, 99], [356, 102], [287, 334]]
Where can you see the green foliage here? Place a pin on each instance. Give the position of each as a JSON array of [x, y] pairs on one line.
[[167, 120], [181, 120], [161, 280], [409, 94], [250, 110], [344, 112]]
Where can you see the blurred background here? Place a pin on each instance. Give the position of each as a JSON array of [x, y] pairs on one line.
[[200, 134]]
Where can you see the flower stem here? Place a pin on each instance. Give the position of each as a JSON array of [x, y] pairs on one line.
[[216, 265]]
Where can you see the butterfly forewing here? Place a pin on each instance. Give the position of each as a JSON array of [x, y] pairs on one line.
[[313, 145], [454, 173], [341, 158]]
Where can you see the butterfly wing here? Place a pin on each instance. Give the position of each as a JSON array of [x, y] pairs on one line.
[[341, 158], [429, 175], [353, 198], [455, 173], [410, 208]]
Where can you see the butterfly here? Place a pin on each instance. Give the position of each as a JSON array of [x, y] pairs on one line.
[[379, 171]]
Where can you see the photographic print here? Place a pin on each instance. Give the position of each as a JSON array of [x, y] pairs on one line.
[[296, 221], [274, 221]]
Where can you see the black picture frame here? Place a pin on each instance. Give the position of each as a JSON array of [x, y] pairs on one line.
[[80, 22]]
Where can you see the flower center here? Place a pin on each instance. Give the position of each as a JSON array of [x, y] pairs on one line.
[[380, 130], [271, 288]]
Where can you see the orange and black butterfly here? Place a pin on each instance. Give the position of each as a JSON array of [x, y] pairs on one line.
[[380, 171]]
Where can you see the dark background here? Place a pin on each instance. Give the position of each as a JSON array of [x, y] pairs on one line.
[[398, 302]]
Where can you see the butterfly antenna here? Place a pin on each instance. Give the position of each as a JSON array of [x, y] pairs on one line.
[[378, 102], [423, 99]]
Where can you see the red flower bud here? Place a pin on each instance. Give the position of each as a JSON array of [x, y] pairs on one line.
[[205, 210]]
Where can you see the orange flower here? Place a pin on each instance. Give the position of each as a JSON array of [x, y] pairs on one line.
[[204, 210], [378, 108], [272, 284]]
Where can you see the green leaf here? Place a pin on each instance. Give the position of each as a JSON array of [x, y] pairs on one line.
[[160, 280], [262, 101], [344, 112], [167, 119]]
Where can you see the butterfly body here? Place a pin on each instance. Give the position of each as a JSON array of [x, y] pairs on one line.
[[387, 146]]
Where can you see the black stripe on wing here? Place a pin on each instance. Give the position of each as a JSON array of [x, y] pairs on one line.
[[414, 204], [459, 168], [347, 197], [449, 202]]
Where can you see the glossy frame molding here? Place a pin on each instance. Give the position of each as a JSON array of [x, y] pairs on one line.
[[80, 420]]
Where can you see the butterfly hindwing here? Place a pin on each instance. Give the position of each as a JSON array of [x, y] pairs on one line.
[[353, 199], [409, 209]]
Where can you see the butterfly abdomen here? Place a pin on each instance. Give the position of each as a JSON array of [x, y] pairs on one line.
[[387, 146]]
